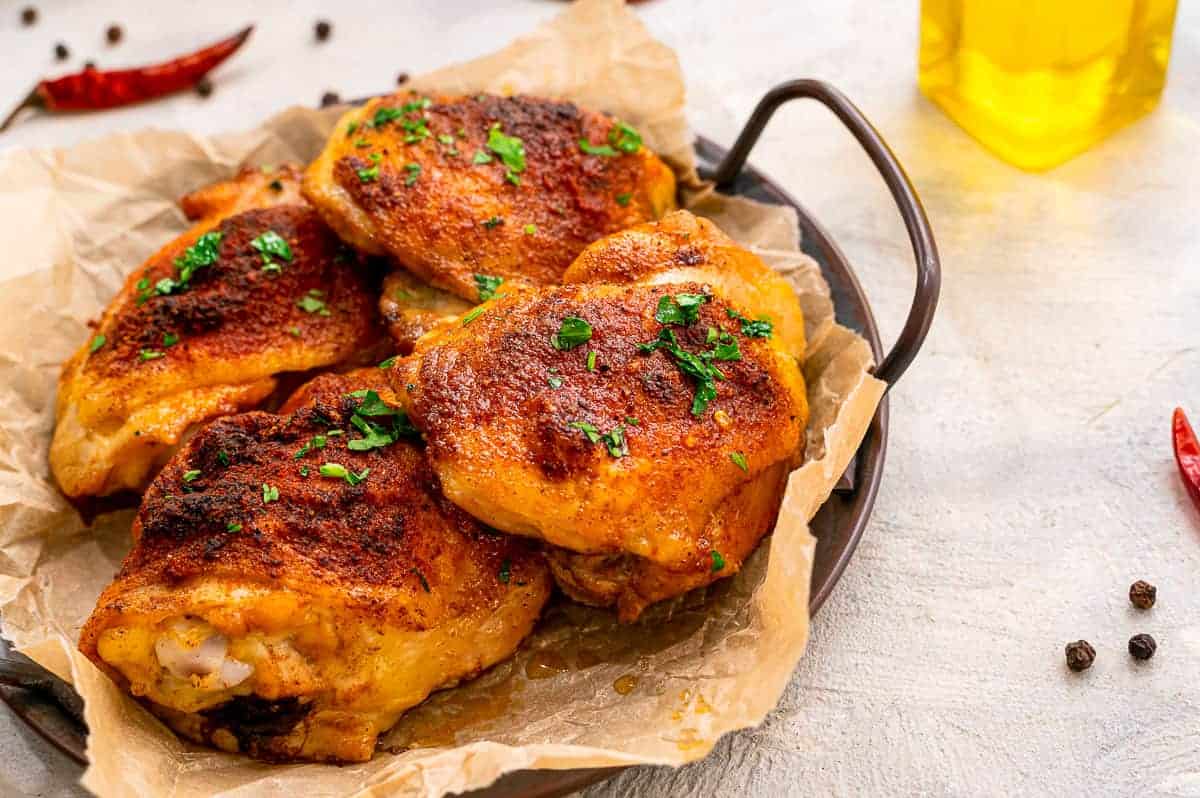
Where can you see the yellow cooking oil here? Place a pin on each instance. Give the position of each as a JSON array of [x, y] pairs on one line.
[[1039, 81]]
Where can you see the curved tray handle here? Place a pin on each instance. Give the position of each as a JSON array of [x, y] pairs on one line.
[[929, 268]]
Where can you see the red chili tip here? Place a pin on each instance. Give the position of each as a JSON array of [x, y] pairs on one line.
[[1187, 454]]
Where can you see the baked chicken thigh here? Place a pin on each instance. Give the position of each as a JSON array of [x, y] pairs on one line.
[[298, 581], [258, 286], [644, 429], [468, 191]]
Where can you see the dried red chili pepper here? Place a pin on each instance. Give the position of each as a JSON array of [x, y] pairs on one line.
[[94, 89], [1187, 454]]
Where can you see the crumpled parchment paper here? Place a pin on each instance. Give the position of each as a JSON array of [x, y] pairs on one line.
[[583, 691]]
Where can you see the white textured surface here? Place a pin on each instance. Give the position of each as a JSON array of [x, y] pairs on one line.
[[1029, 476]]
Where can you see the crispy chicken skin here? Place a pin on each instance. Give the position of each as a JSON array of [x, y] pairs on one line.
[[403, 176], [411, 308], [161, 362], [276, 610], [682, 247], [514, 428]]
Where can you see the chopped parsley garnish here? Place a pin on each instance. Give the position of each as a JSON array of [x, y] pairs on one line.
[[739, 460], [505, 571], [303, 471], [424, 583], [593, 434], [270, 493], [361, 143], [624, 138], [530, 229], [223, 457], [316, 442], [554, 381], [233, 526], [339, 471], [387, 364], [613, 440], [150, 354], [511, 151], [375, 435], [487, 285], [203, 252], [385, 115], [294, 331], [369, 175], [446, 139], [312, 302], [683, 309], [591, 360], [97, 342], [495, 221], [726, 348], [191, 476], [481, 157], [571, 333], [698, 367], [756, 328], [474, 314], [632, 421], [170, 339], [603, 150], [718, 562], [350, 128], [272, 245], [623, 199], [414, 171]]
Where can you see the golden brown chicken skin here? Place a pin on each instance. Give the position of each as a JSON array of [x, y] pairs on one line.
[[635, 425], [290, 592], [203, 328], [411, 307], [499, 187]]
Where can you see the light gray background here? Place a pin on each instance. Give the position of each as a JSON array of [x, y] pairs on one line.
[[1029, 476]]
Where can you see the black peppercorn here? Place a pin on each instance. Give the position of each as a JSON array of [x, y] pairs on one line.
[[204, 87], [402, 78], [61, 52], [1142, 594], [1080, 655], [29, 16], [89, 64], [330, 98], [1142, 646], [113, 34], [322, 29]]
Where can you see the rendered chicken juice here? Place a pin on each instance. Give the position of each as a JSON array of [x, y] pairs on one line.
[[1039, 82]]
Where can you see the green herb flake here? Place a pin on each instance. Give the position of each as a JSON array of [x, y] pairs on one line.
[[739, 460], [150, 354], [294, 331], [593, 434], [233, 526], [368, 175], [530, 229], [270, 493], [554, 381], [752, 328], [350, 128], [303, 471], [272, 245], [414, 171], [339, 471], [632, 421], [511, 151], [387, 364], [615, 441], [361, 143], [316, 442], [591, 360], [495, 221], [97, 342], [191, 476], [623, 199], [383, 116], [480, 158], [718, 562], [602, 150], [698, 368], [204, 252], [311, 303], [223, 457], [170, 339], [571, 333], [487, 285], [505, 571], [445, 139], [624, 138], [683, 309]]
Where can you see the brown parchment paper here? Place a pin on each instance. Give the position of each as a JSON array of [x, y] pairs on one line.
[[583, 691]]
